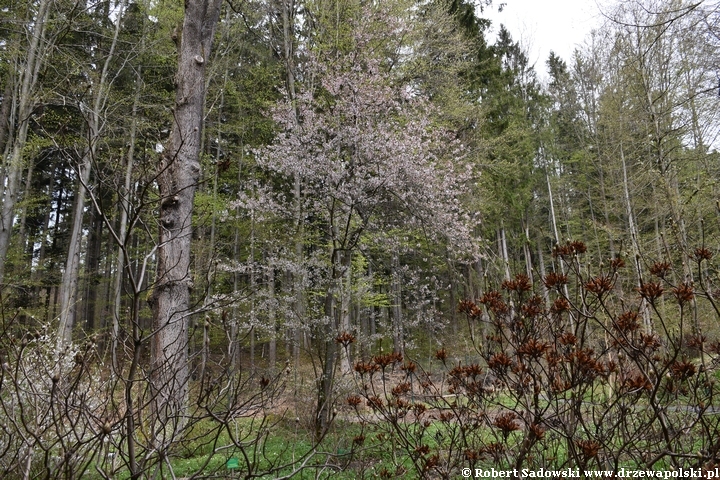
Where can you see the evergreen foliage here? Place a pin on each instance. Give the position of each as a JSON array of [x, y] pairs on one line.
[[358, 170]]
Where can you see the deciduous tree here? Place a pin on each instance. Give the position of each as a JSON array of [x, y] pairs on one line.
[[369, 158], [177, 178]]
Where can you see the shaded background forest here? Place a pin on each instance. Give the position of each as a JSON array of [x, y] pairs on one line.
[[398, 229], [365, 167]]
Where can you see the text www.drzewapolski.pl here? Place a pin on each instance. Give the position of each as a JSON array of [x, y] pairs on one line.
[[577, 473]]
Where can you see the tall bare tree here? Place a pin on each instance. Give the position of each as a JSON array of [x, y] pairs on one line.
[[100, 92], [28, 70]]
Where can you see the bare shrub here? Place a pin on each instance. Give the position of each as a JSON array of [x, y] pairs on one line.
[[603, 377]]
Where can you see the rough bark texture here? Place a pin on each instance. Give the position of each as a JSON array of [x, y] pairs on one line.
[[177, 179]]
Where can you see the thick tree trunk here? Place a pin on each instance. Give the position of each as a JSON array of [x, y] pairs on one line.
[[177, 179]]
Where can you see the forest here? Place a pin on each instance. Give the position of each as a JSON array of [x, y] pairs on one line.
[[356, 239]]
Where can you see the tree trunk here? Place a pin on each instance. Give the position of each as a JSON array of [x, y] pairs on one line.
[[272, 321], [27, 84], [634, 241], [5, 111], [253, 289], [234, 347], [606, 214], [288, 16], [543, 272], [326, 381], [205, 353], [93, 277], [340, 259], [124, 207], [345, 312], [557, 236], [178, 175], [526, 249], [398, 333], [453, 297], [504, 251], [69, 285]]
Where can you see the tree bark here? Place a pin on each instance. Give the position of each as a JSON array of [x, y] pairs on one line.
[[345, 311], [398, 328], [93, 277], [124, 207], [634, 241], [69, 285], [288, 18], [177, 178], [325, 382], [5, 111], [504, 250], [272, 321], [556, 235], [526, 249], [27, 85]]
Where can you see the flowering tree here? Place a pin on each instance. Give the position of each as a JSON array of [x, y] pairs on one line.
[[369, 158]]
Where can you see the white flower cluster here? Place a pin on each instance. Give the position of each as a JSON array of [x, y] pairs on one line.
[[52, 404]]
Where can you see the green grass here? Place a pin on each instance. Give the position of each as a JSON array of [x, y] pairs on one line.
[[282, 444]]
